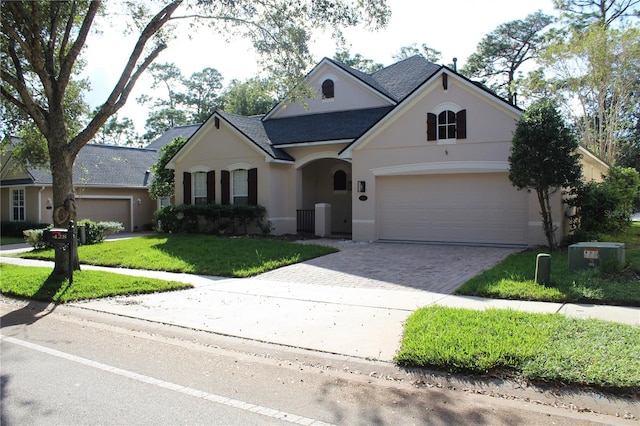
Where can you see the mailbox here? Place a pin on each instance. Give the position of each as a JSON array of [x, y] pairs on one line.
[[57, 236], [62, 238]]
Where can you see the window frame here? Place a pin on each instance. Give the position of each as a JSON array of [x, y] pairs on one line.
[[328, 89], [21, 209], [239, 186], [434, 126], [199, 187]]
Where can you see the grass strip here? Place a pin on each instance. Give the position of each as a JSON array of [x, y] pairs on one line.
[[195, 254], [513, 278], [39, 283], [537, 347]]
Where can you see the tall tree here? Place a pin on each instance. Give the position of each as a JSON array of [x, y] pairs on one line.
[[203, 94], [429, 53], [583, 13], [502, 52], [357, 61], [544, 158], [165, 111], [118, 131], [596, 66], [252, 97], [42, 43]]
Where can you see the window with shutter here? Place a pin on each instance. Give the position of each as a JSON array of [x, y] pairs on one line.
[[447, 125], [240, 186], [200, 188], [186, 182]]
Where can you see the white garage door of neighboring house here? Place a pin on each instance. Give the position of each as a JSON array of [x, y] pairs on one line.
[[105, 210], [458, 208]]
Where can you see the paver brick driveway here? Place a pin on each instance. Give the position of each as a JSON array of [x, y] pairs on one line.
[[435, 268]]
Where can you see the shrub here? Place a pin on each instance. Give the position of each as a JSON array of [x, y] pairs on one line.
[[605, 207], [95, 232], [16, 229], [110, 228], [228, 219], [34, 237]]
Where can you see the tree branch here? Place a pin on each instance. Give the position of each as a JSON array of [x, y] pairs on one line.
[[129, 76]]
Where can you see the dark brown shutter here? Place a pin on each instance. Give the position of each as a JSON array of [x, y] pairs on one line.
[[431, 127], [461, 124], [225, 190], [211, 187], [186, 182], [253, 187]]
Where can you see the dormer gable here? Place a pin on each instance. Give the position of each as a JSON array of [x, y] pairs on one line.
[[337, 88]]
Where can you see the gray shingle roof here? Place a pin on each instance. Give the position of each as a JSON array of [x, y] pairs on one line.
[[171, 134], [253, 128], [396, 81], [403, 77], [104, 166], [323, 127]]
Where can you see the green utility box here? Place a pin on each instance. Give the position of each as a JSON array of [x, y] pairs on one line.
[[590, 255]]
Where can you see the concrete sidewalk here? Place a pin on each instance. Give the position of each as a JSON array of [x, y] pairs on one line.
[[353, 321]]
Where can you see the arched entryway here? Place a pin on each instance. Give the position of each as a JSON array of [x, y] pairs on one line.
[[326, 180]]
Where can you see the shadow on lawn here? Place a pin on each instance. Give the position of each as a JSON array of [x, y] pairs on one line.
[[42, 303]]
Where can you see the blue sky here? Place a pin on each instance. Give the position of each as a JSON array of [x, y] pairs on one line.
[[453, 27]]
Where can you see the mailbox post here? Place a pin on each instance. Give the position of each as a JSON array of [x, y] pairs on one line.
[[64, 238]]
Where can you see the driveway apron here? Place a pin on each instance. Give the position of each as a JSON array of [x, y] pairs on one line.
[[393, 266]]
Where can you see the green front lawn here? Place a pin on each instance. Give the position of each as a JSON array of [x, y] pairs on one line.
[[4, 241], [40, 284], [535, 347], [513, 278], [195, 254]]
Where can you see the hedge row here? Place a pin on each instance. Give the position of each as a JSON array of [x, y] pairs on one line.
[[227, 219], [16, 229]]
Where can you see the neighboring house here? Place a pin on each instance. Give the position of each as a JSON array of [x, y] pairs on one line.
[[412, 152], [111, 184]]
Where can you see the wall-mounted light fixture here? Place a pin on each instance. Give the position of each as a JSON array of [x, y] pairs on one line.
[[362, 187], [139, 201]]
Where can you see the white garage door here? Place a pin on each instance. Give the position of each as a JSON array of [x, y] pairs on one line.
[[459, 208], [105, 210]]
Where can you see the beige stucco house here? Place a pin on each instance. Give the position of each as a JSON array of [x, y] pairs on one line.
[[111, 183], [412, 152]]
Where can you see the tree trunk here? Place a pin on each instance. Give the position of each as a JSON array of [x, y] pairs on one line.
[[64, 206], [547, 220]]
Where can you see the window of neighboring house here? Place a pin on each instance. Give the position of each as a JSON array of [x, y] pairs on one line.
[[200, 188], [240, 186], [327, 89], [17, 205], [340, 180]]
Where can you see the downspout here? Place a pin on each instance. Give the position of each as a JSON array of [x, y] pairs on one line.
[[40, 204]]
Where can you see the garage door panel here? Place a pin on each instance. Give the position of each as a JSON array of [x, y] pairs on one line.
[[463, 208], [105, 210]]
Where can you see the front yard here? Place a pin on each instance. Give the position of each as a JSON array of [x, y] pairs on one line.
[[514, 278], [535, 347]]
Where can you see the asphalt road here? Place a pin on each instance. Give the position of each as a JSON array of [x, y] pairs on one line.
[[71, 367]]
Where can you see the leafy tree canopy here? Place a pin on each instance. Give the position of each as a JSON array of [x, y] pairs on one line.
[[357, 61], [544, 158], [429, 53], [163, 181], [42, 45], [251, 97], [501, 53]]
